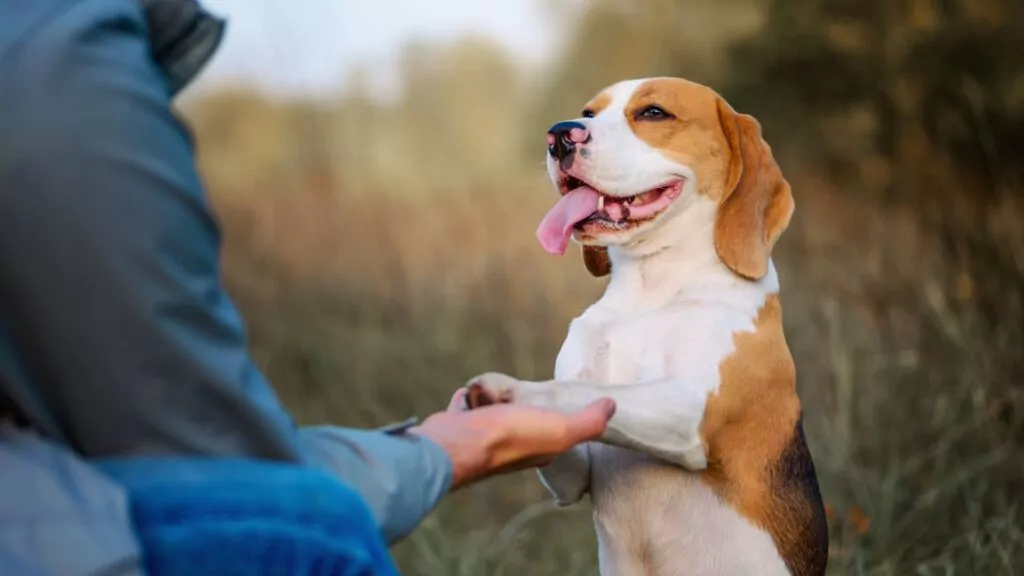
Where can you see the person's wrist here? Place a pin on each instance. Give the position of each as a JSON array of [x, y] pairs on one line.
[[472, 450]]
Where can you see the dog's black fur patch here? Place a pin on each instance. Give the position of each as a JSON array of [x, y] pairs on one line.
[[803, 542]]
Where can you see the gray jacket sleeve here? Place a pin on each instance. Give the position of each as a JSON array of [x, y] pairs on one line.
[[115, 330]]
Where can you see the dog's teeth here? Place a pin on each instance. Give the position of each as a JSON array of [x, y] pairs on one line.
[[600, 203]]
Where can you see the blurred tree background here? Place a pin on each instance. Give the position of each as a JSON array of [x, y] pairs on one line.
[[382, 250]]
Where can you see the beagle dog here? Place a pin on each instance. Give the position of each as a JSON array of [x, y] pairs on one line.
[[704, 468]]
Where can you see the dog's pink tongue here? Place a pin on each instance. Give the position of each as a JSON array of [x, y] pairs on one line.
[[556, 228]]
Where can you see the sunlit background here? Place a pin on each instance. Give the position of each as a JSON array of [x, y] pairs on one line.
[[378, 168]]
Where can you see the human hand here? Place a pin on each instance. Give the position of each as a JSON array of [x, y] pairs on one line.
[[503, 438]]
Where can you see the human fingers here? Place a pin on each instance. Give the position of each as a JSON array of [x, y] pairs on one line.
[[536, 432], [533, 437], [458, 401], [590, 422]]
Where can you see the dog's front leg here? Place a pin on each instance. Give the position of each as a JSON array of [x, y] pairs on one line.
[[567, 477], [661, 418]]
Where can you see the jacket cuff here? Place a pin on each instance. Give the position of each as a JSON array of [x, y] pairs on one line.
[[401, 477]]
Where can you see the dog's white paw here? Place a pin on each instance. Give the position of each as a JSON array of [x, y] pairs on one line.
[[490, 388]]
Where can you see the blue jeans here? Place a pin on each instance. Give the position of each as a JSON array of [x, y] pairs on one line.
[[246, 517], [61, 515]]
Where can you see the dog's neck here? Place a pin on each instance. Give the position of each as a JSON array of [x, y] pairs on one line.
[[678, 262]]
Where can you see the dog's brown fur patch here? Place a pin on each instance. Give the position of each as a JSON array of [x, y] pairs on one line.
[[758, 460], [756, 204], [599, 103], [692, 136], [596, 259]]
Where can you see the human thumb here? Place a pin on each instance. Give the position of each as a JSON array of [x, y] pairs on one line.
[[591, 422]]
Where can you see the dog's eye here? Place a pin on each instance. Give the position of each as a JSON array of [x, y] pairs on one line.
[[653, 112], [588, 114]]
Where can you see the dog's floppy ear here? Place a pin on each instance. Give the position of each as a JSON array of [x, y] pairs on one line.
[[595, 258], [757, 202]]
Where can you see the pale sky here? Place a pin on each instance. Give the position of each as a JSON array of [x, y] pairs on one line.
[[306, 47]]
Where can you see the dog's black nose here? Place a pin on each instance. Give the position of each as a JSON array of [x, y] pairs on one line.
[[563, 138]]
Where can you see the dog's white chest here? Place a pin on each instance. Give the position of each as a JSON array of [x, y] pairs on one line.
[[686, 341], [605, 349], [654, 519]]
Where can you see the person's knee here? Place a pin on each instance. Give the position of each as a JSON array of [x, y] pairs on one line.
[[58, 515]]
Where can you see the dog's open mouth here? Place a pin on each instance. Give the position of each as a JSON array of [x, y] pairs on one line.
[[582, 205], [619, 210]]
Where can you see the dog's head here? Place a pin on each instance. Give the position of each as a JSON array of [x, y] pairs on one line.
[[646, 152]]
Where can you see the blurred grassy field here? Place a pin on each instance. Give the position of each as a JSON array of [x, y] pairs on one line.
[[384, 253]]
